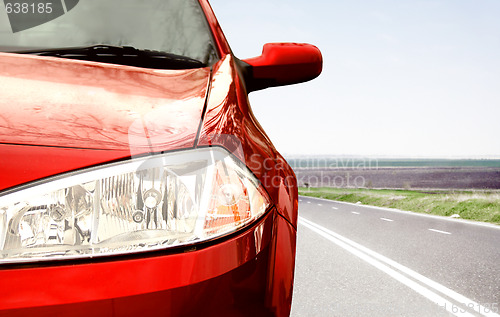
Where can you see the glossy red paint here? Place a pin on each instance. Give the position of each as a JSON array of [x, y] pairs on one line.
[[61, 115], [281, 288], [240, 292], [66, 287], [68, 103], [229, 122], [21, 164], [284, 64], [61, 103]]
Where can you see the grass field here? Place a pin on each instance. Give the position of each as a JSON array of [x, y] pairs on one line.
[[472, 205]]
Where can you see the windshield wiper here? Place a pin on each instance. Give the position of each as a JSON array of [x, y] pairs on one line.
[[123, 55]]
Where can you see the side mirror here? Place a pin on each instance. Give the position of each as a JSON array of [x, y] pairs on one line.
[[282, 64]]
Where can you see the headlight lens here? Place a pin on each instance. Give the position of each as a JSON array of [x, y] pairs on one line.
[[151, 203]]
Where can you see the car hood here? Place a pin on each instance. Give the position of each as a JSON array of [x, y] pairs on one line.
[[78, 113]]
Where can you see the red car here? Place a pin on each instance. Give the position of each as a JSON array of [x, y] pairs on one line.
[[135, 179]]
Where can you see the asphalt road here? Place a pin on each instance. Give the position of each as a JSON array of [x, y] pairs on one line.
[[355, 260]]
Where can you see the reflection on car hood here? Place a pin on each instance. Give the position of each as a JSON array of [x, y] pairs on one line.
[[58, 115], [78, 104]]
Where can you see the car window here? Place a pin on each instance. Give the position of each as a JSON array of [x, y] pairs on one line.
[[174, 26]]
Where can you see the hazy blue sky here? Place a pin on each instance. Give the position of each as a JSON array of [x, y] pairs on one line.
[[400, 78]]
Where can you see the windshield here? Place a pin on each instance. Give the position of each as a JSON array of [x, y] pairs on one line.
[[173, 26]]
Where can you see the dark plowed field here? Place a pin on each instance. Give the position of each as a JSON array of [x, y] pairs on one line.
[[403, 177]]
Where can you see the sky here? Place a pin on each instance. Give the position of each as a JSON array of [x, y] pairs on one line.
[[400, 78]]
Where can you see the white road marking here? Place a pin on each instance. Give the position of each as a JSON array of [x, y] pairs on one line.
[[335, 208], [391, 268], [320, 205], [356, 213], [439, 231], [387, 219], [416, 214], [308, 202], [64, 7]]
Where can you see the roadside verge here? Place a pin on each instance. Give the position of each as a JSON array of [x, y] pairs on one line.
[[481, 206]]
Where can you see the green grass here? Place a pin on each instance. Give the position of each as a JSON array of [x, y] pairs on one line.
[[473, 205]]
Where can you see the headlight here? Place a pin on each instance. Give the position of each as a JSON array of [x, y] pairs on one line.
[[143, 204]]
